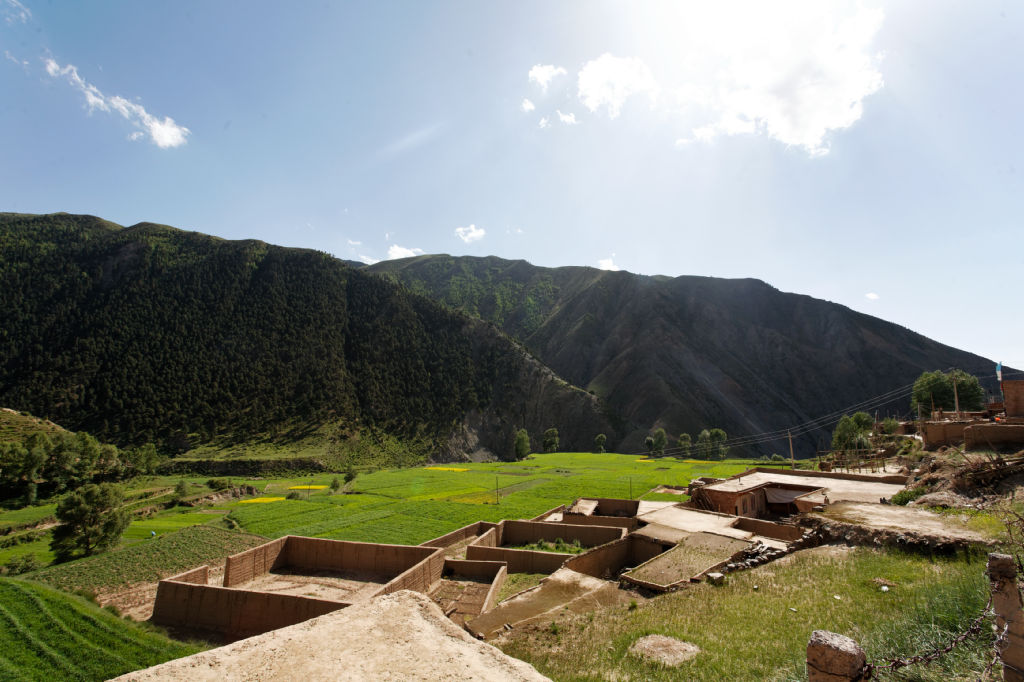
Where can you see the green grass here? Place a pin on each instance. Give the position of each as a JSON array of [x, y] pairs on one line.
[[167, 522], [27, 516], [748, 634], [517, 582], [147, 561], [410, 506], [16, 427], [46, 635]]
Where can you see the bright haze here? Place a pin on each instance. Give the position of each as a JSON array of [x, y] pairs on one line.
[[867, 153]]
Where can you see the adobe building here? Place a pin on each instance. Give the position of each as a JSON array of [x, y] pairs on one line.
[[766, 492]]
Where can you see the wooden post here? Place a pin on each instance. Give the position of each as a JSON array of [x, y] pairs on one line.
[[792, 460], [1006, 602]]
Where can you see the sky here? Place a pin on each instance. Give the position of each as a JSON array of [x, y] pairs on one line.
[[864, 153]]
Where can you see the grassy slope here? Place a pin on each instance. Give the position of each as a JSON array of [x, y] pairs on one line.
[[748, 634], [149, 560], [46, 635], [16, 427]]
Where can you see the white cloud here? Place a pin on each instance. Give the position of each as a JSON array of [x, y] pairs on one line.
[[607, 264], [567, 119], [609, 81], [543, 122], [871, 296], [368, 260], [793, 75], [352, 242], [470, 234], [396, 251], [15, 12], [542, 74], [164, 133], [527, 106], [14, 60]]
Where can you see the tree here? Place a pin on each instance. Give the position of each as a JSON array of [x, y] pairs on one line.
[[649, 444], [551, 440], [937, 388], [90, 520], [851, 433], [180, 491], [684, 443], [599, 441], [350, 474], [717, 438], [703, 448], [335, 484], [660, 440], [522, 444]]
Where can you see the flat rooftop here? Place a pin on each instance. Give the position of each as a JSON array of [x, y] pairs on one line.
[[675, 524], [838, 489]]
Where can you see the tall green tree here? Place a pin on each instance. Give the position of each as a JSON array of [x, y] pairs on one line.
[[702, 450], [660, 440], [599, 441], [717, 438], [550, 440], [90, 520], [521, 446], [852, 433], [684, 443], [937, 388]]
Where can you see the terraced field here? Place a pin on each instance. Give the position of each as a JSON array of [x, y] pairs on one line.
[[47, 635]]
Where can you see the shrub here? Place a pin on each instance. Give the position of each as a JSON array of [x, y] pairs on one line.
[[218, 484], [22, 564], [293, 495], [908, 495]]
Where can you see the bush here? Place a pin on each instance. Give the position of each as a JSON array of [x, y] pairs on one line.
[[776, 457], [293, 495], [909, 495], [218, 484], [336, 484], [22, 564]]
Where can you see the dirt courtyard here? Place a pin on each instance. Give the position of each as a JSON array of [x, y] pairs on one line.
[[343, 586], [895, 517]]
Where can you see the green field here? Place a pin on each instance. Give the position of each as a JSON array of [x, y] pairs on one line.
[[47, 635], [410, 506], [147, 561]]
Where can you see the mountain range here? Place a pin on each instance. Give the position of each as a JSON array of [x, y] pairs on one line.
[[150, 333]]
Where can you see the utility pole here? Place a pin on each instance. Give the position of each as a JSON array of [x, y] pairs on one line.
[[631, 487], [792, 460], [496, 499], [956, 398]]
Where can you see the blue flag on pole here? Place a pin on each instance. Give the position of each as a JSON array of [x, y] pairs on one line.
[[999, 370]]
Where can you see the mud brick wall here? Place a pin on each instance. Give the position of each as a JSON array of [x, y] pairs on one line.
[[940, 433], [234, 614], [494, 571], [984, 435], [891, 478], [472, 530], [1013, 398], [490, 538], [629, 523], [421, 577], [769, 529], [197, 576], [318, 554], [241, 568], [525, 532], [607, 561], [549, 512], [519, 560]]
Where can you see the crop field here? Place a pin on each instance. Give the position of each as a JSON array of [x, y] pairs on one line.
[[28, 516], [410, 506], [147, 561], [47, 635], [168, 522]]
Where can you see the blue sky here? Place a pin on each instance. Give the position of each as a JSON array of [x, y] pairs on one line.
[[867, 153]]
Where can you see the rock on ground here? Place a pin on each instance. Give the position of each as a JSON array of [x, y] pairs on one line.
[[401, 636], [667, 650]]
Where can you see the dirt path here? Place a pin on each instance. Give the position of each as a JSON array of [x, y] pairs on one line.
[[895, 517], [401, 636]]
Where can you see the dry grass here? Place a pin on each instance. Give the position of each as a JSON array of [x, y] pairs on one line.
[[761, 634]]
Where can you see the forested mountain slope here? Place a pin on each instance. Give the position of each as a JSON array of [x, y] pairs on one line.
[[150, 333], [688, 353]]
